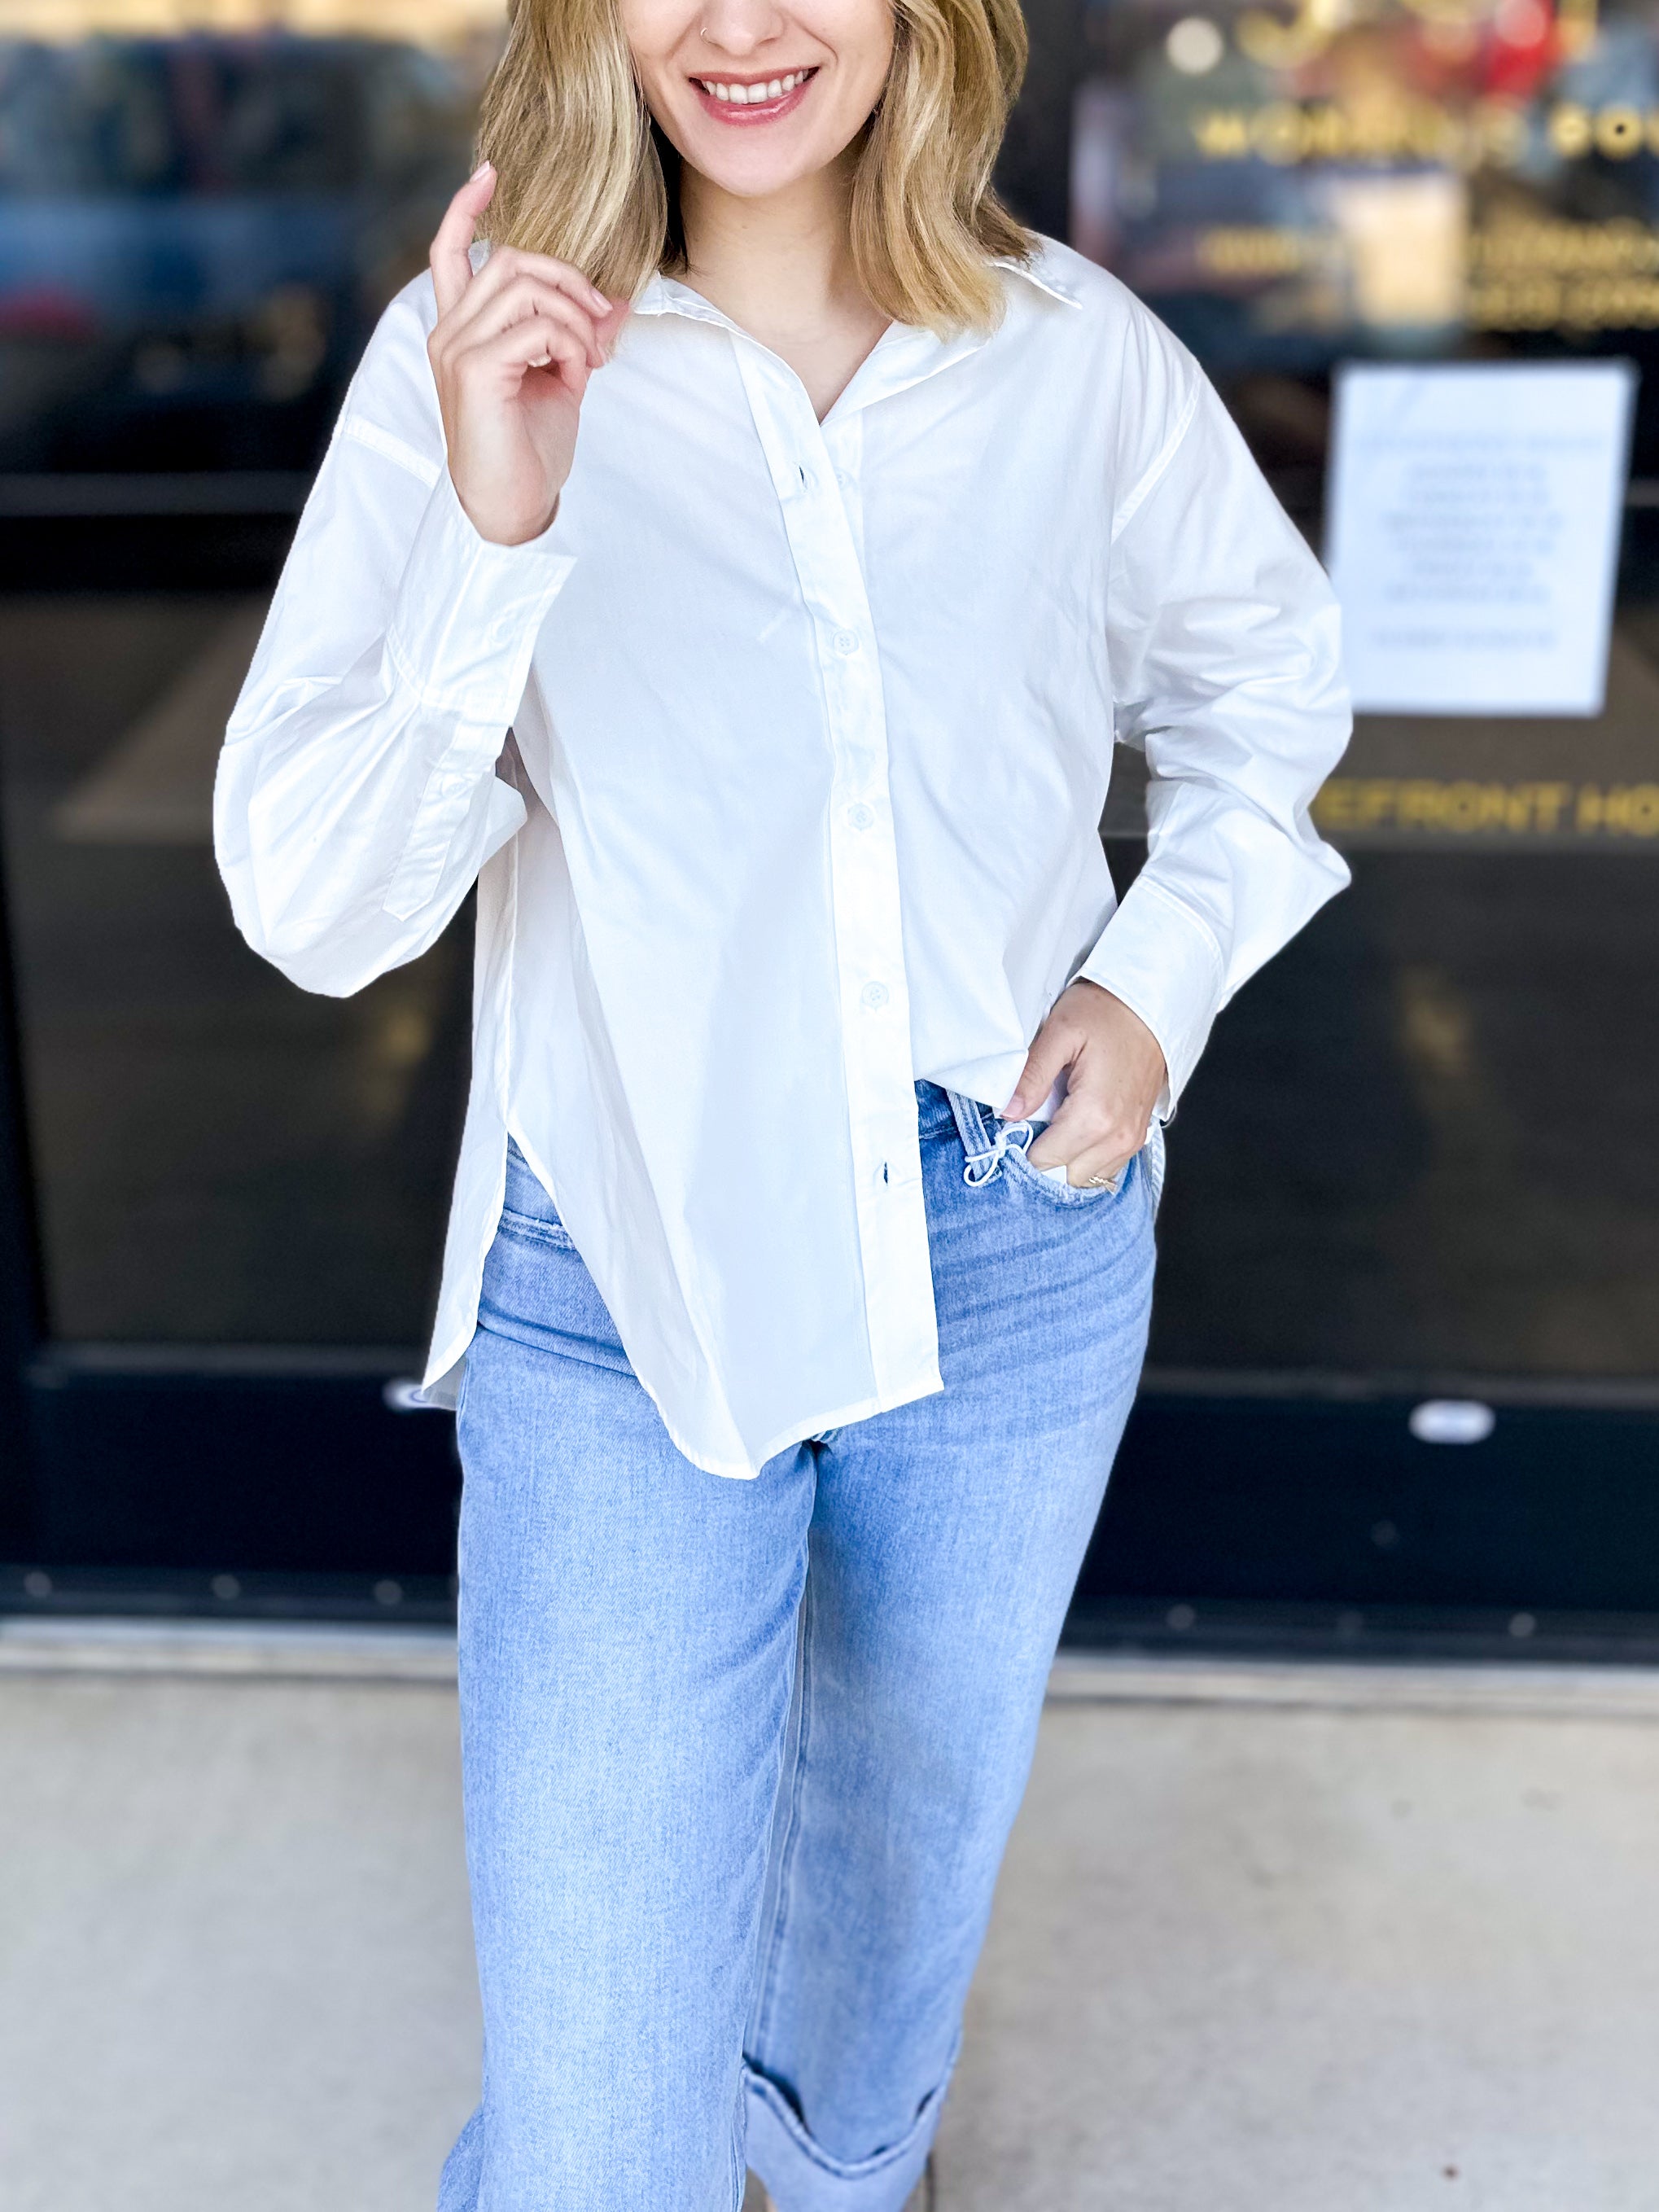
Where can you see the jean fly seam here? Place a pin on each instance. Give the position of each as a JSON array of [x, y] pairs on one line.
[[790, 1836], [740, 2163]]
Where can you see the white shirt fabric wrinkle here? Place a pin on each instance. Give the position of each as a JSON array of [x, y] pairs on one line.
[[812, 726]]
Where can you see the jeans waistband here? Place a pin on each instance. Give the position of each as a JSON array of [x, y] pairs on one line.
[[984, 1136]]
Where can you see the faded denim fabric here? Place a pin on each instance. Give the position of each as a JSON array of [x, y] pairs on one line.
[[741, 1757]]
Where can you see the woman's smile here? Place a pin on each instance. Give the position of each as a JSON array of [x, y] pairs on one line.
[[745, 101], [715, 71]]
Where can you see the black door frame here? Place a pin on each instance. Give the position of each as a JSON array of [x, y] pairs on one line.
[[264, 1480]]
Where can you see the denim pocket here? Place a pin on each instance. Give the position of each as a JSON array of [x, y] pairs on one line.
[[1014, 1162]]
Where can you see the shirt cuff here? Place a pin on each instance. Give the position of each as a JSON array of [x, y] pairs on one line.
[[1163, 961], [467, 612]]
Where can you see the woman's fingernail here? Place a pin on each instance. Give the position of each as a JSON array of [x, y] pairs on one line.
[[1015, 1109], [483, 170]]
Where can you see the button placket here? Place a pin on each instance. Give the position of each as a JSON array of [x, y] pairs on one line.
[[844, 440], [864, 881]]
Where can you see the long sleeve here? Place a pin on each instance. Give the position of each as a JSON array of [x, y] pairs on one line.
[[357, 796], [1225, 647]]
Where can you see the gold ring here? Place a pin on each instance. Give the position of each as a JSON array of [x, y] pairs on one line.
[[1096, 1182]]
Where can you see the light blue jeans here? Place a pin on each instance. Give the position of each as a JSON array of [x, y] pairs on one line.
[[741, 1757]]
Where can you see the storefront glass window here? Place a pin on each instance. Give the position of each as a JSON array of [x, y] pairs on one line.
[[202, 210], [1422, 1143]]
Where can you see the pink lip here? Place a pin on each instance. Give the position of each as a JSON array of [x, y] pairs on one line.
[[764, 111]]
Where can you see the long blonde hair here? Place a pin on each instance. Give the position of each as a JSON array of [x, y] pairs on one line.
[[582, 172]]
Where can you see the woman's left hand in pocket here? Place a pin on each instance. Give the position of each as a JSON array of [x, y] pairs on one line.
[[1115, 1076]]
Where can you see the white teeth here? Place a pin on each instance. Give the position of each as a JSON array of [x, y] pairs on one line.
[[750, 95]]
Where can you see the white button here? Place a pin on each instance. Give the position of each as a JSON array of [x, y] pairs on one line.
[[861, 816], [844, 480], [874, 995], [845, 640]]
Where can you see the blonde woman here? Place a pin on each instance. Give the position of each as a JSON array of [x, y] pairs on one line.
[[741, 570]]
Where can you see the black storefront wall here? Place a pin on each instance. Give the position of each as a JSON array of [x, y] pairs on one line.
[[1241, 1515]]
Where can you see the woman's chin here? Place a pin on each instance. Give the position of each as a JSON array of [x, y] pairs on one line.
[[749, 171]]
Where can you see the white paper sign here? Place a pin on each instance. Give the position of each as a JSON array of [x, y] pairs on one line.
[[1473, 532]]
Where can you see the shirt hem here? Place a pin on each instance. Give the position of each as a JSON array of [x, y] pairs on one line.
[[440, 1388]]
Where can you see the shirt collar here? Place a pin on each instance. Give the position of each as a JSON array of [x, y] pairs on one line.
[[904, 354], [667, 296], [1043, 271]]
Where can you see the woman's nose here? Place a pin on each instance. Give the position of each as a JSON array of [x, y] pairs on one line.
[[740, 27]]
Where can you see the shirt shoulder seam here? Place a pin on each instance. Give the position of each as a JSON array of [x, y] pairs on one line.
[[390, 449], [1137, 498]]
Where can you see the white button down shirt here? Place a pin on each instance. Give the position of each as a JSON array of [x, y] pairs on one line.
[[812, 726]]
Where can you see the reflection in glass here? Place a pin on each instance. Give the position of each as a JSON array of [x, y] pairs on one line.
[[197, 233], [1421, 1142], [199, 222]]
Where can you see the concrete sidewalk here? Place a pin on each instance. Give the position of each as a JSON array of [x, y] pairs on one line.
[[1296, 1938]]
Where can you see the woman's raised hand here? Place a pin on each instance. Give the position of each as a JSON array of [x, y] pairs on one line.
[[511, 352]]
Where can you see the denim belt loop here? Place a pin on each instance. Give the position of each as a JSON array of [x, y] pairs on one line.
[[984, 1139]]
